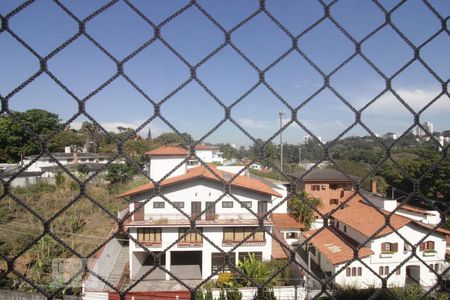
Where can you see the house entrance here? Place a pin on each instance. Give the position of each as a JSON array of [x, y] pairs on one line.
[[186, 264], [412, 275]]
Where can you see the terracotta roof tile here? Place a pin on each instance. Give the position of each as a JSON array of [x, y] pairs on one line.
[[206, 147], [328, 175], [367, 219], [335, 246], [278, 252], [168, 151], [286, 221], [202, 172]]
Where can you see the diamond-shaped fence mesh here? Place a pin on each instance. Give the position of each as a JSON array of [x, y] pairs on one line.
[[46, 234]]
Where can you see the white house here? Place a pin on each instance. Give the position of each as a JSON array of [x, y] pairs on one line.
[[163, 224], [209, 154], [382, 250]]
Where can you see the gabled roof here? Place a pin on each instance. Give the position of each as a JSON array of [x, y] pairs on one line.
[[286, 221], [336, 247], [367, 220], [202, 172], [168, 151], [326, 175]]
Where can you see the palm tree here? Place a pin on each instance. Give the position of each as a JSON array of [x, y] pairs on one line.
[[301, 206]]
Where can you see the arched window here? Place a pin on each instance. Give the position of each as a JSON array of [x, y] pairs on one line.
[[353, 271], [348, 272], [359, 271]]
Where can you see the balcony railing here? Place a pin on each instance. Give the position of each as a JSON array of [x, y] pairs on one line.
[[177, 218]]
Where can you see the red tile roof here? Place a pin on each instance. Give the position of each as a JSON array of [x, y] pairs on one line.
[[335, 246], [278, 252], [202, 172], [286, 221], [367, 220], [415, 209], [168, 151]]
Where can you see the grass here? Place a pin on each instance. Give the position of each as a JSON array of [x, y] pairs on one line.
[[75, 219]]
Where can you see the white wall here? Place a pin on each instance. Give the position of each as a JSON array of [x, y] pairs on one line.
[[162, 165], [204, 191]]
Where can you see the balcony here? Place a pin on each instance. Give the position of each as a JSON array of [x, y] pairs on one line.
[[205, 219]]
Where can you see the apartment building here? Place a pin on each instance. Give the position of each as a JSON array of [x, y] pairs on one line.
[[161, 222], [330, 186]]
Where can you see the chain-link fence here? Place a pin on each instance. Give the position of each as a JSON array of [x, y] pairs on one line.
[[326, 283]]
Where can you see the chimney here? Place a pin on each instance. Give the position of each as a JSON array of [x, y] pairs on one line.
[[373, 186]]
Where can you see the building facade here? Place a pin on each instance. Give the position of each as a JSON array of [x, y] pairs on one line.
[[162, 223]]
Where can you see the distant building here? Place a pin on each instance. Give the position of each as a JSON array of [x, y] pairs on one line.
[[390, 135], [428, 126]]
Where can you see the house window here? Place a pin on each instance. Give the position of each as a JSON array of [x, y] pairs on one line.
[[337, 224], [291, 235], [315, 187], [237, 234], [359, 271], [398, 271], [353, 271], [312, 249], [389, 247], [334, 186], [345, 228], [149, 235], [227, 204], [247, 204], [324, 186], [218, 260], [178, 204], [334, 201], [158, 204], [427, 246], [384, 271], [193, 237], [434, 267], [348, 272]]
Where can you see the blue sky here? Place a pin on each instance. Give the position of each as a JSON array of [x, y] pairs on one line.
[[82, 67]]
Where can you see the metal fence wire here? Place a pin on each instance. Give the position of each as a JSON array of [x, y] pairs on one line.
[[327, 286]]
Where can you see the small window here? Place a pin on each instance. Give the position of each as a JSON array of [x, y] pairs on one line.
[[348, 272], [334, 186], [247, 204], [158, 204], [398, 271], [345, 228], [337, 224], [436, 267], [315, 187], [334, 201], [381, 271], [359, 271], [353, 271], [227, 204], [178, 204], [324, 186], [291, 235], [386, 270]]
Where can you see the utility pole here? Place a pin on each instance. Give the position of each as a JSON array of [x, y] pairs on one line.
[[299, 154], [281, 114]]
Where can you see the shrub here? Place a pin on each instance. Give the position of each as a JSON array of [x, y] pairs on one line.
[[224, 279]]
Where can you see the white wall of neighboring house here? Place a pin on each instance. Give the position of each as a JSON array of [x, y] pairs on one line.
[[162, 165], [203, 191], [282, 208], [432, 216], [210, 155]]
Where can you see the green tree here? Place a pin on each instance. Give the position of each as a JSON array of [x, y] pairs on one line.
[[228, 151], [119, 172], [93, 135], [301, 206], [16, 140], [171, 138], [67, 138]]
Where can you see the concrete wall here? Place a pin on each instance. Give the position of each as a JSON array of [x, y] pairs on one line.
[[103, 266]]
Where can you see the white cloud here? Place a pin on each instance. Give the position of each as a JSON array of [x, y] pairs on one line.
[[256, 124], [388, 104]]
